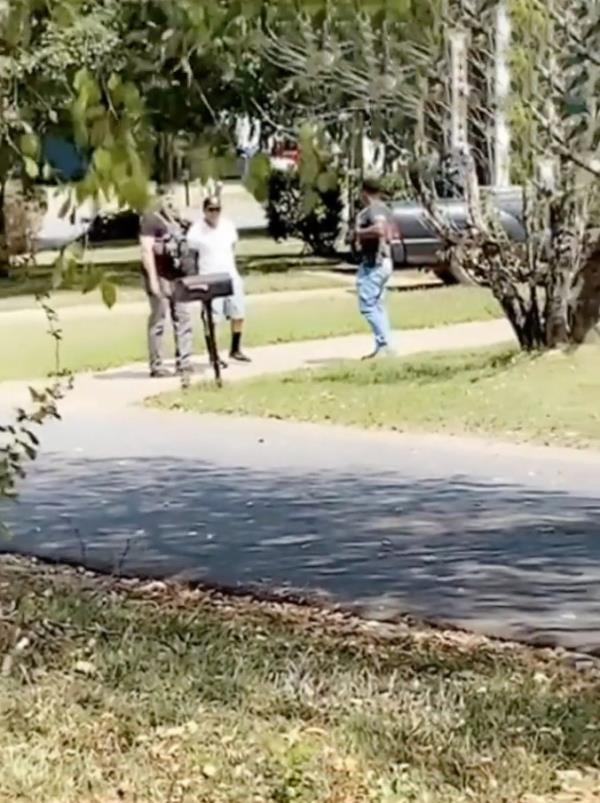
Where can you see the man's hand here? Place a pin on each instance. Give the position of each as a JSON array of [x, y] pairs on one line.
[[376, 231], [154, 287]]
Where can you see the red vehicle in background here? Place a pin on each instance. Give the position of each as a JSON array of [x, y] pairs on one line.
[[284, 154]]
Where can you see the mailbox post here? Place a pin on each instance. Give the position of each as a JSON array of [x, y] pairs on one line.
[[205, 289]]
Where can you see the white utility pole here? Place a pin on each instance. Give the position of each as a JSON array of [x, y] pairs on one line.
[[501, 176], [459, 140]]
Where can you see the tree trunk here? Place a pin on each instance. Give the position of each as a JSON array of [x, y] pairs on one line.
[[525, 321], [521, 309], [557, 309], [584, 308], [4, 254], [561, 268]]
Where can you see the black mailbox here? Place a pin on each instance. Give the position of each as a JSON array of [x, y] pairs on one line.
[[205, 289]]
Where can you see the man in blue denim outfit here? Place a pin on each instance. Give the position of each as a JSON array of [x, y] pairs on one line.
[[373, 234]]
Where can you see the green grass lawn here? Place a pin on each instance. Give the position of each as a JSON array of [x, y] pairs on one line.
[[162, 695], [110, 338], [267, 266], [550, 399], [284, 280]]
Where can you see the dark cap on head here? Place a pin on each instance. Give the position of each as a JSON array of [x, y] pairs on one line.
[[212, 201], [371, 185]]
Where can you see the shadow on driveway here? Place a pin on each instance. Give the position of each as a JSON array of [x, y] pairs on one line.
[[504, 560]]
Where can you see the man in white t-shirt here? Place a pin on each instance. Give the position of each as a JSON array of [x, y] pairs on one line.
[[214, 239]]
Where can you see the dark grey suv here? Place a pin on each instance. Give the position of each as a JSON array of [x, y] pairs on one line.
[[420, 247]]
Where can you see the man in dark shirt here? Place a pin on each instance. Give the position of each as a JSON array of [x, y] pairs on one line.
[[160, 274], [373, 236]]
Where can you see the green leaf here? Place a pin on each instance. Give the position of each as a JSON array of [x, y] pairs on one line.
[[58, 272], [30, 145], [92, 280], [114, 82], [131, 98], [309, 166], [89, 93], [108, 290], [257, 177], [327, 182], [102, 160], [97, 112], [31, 167], [261, 193], [134, 193], [226, 164], [310, 201], [260, 166], [69, 278], [306, 135], [100, 133], [65, 268], [81, 76], [88, 187], [74, 252]]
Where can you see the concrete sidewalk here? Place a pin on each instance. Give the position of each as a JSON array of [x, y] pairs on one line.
[[130, 383]]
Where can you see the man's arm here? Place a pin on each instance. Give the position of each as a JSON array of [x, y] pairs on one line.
[[193, 238], [149, 263], [234, 239], [234, 235]]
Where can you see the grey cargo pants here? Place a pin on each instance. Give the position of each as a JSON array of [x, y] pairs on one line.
[[160, 307]]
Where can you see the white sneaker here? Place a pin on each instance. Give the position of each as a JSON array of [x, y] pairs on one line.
[[381, 352]]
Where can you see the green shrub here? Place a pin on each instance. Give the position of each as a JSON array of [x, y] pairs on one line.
[[314, 215]]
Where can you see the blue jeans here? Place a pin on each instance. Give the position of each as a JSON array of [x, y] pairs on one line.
[[370, 285]]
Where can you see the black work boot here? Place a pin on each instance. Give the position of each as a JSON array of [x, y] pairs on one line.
[[236, 352]]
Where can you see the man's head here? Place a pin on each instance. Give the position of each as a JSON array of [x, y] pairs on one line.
[[212, 210], [166, 199], [370, 189]]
